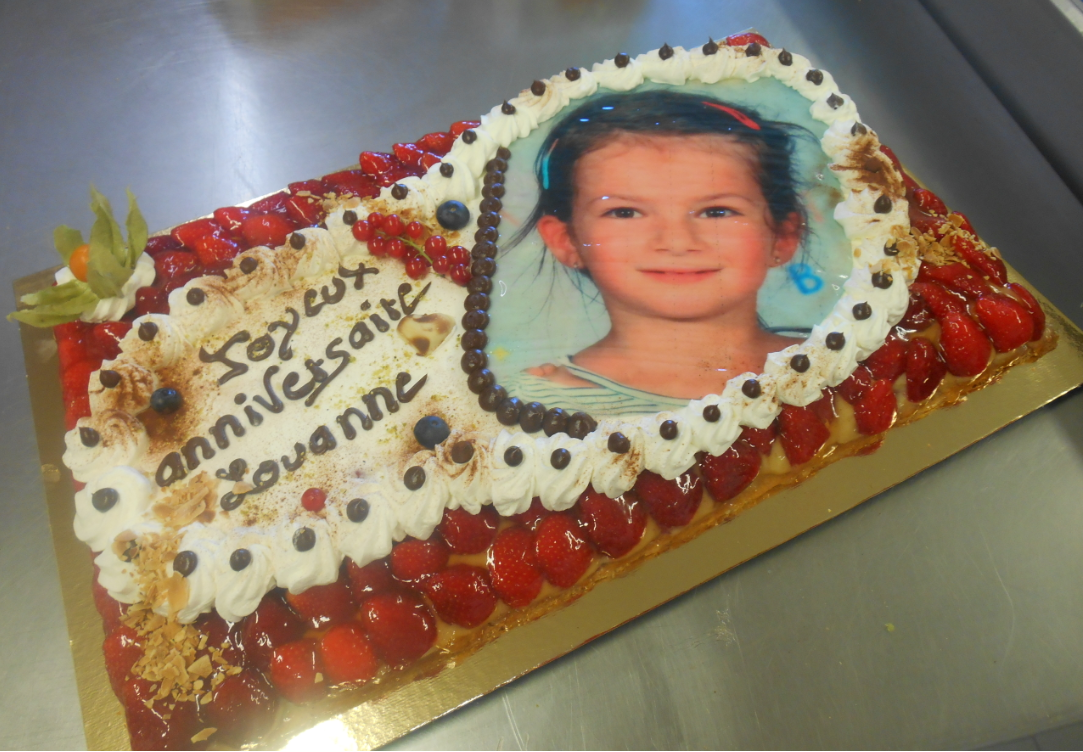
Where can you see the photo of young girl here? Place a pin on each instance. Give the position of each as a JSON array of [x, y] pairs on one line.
[[670, 209]]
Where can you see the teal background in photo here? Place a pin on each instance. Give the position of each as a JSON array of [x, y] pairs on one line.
[[541, 311]]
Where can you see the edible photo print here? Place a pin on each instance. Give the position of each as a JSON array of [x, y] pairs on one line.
[[656, 243]]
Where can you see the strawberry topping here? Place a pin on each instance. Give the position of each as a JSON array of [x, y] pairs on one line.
[[732, 471], [925, 369], [467, 533], [242, 706], [615, 526], [672, 503], [1006, 321], [400, 626], [562, 550], [514, 568], [802, 433], [462, 595], [323, 605], [414, 560], [297, 671], [965, 346], [347, 655], [875, 411], [272, 624], [1031, 304]]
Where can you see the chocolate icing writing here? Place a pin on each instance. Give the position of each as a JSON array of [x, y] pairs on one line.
[[358, 274], [170, 470], [373, 404], [322, 440], [347, 428], [291, 465], [260, 348], [191, 456], [284, 350], [220, 356], [406, 395], [379, 323], [404, 289], [218, 430], [389, 306], [332, 353]]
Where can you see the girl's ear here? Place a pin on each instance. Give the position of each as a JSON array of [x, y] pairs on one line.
[[557, 238], [788, 239]]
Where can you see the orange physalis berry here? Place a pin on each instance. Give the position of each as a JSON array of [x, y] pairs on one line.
[[78, 261]]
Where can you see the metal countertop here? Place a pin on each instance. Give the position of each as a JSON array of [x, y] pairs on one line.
[[975, 562]]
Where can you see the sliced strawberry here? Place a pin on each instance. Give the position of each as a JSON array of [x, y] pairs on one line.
[[875, 411], [395, 174], [150, 300], [977, 259], [760, 439], [376, 162], [122, 648], [315, 188], [414, 560], [216, 251], [467, 533], [802, 433], [295, 670], [462, 595], [400, 626], [231, 218], [409, 154], [1006, 321], [964, 223], [438, 143], [1033, 308], [270, 230], [160, 244], [672, 503], [374, 577], [75, 407], [272, 624], [925, 369], [457, 129], [305, 211], [353, 182], [188, 233], [242, 707], [957, 277], [428, 159], [514, 568], [111, 610], [176, 265], [347, 655], [224, 636], [615, 526], [927, 224], [71, 330], [824, 408], [918, 315], [939, 300], [729, 473], [532, 516], [890, 154], [966, 348], [562, 550], [149, 728], [929, 202], [72, 350], [76, 378], [740, 40], [324, 605], [889, 362]]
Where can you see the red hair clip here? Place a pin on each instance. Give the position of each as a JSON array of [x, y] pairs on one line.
[[740, 117]]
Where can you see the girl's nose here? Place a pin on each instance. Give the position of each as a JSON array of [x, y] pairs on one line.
[[676, 233]]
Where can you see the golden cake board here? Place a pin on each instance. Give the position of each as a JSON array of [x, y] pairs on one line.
[[376, 720]]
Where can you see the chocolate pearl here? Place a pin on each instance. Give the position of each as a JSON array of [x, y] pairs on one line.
[[572, 74], [469, 137], [475, 320], [109, 379], [890, 249], [240, 559], [622, 60], [554, 421], [665, 52], [580, 424], [785, 58], [487, 233], [513, 456], [507, 108], [357, 510], [711, 413], [462, 452], [104, 499], [711, 48], [882, 205], [858, 130], [862, 311], [147, 330], [491, 397], [483, 266], [531, 416], [88, 436], [297, 241], [472, 360], [752, 389], [349, 217], [496, 164], [668, 430], [507, 412], [480, 283], [882, 280], [753, 49], [230, 502], [815, 76], [249, 264], [414, 478], [489, 205], [537, 88], [490, 178], [496, 190], [195, 296], [477, 301], [835, 341], [800, 363], [484, 249], [447, 169], [835, 101], [504, 153], [480, 380], [618, 443], [560, 458], [474, 339], [305, 538], [399, 191], [185, 563]]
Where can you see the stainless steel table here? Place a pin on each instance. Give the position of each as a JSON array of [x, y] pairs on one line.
[[944, 613]]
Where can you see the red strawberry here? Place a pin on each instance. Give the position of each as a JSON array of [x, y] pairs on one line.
[[824, 408], [428, 159], [150, 300], [615, 526], [294, 670], [964, 223], [740, 40], [400, 626], [957, 277], [802, 433], [374, 577], [467, 533], [71, 330], [305, 211], [437, 143], [273, 204], [266, 229], [122, 648], [977, 259], [1033, 308], [672, 503], [376, 162], [514, 568], [231, 217], [149, 728], [76, 378], [160, 244], [395, 174], [223, 635], [562, 550], [414, 560], [111, 611], [886, 150], [323, 605], [409, 154], [272, 624], [314, 188], [760, 439], [1006, 321], [729, 473], [72, 351], [347, 655], [216, 251], [889, 362], [462, 595], [75, 407], [965, 347], [176, 265], [188, 233], [927, 224], [105, 339], [875, 411], [352, 181], [939, 300], [457, 129], [242, 706], [924, 369], [918, 315], [532, 516], [929, 202]]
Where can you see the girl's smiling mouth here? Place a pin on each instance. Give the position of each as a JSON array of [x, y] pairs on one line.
[[679, 276]]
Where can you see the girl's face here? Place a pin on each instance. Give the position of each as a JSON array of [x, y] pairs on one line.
[[673, 227]]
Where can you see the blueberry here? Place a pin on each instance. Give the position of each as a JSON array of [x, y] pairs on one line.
[[452, 215], [166, 400], [430, 431]]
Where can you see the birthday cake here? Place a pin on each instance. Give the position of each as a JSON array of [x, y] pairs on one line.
[[325, 435]]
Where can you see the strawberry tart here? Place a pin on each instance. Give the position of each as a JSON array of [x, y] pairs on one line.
[[317, 439]]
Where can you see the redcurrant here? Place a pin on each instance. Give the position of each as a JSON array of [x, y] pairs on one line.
[[459, 256], [392, 225], [436, 246], [314, 499], [378, 245], [396, 248], [416, 268], [460, 275], [415, 230], [375, 219], [362, 230], [440, 264]]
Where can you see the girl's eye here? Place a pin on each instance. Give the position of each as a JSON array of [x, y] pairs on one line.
[[717, 212], [622, 212]]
